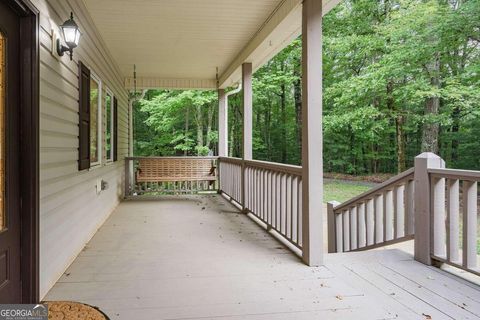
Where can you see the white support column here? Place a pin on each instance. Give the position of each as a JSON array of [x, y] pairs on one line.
[[222, 124], [312, 140], [423, 206], [130, 127], [247, 111], [129, 173]]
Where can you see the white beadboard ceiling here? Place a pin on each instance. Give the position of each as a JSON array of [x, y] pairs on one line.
[[184, 41]]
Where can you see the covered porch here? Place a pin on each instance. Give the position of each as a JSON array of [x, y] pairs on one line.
[[199, 257], [260, 243]]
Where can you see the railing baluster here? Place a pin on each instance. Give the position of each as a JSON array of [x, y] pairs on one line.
[[362, 230], [379, 218], [410, 208], [300, 219], [299, 198], [271, 197], [264, 196], [281, 202], [346, 231], [438, 202], [339, 232], [259, 194], [388, 223], [285, 195], [291, 207], [370, 222], [353, 229], [453, 225], [470, 196], [399, 215]]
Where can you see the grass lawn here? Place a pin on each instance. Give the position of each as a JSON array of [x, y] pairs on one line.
[[340, 190]]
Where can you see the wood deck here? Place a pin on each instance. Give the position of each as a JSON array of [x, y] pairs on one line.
[[196, 257]]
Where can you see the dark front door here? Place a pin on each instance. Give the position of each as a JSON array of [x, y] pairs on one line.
[[10, 283]]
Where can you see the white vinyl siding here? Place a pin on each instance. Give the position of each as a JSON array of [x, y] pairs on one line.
[[71, 211]]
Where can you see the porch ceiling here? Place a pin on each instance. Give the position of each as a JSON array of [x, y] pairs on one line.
[[179, 44]]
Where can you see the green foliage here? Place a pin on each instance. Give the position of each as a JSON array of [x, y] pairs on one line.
[[174, 122], [384, 64]]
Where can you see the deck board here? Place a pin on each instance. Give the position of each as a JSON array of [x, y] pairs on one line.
[[197, 257]]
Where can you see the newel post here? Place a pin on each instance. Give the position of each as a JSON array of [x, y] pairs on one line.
[[247, 108], [423, 205], [312, 138], [332, 246]]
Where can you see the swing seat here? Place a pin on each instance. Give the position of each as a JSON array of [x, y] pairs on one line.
[[175, 170]]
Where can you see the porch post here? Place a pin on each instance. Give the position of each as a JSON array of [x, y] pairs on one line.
[[222, 124], [129, 172], [312, 140], [423, 205], [247, 121], [247, 110]]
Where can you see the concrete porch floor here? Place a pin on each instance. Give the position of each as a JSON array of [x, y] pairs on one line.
[[197, 257]]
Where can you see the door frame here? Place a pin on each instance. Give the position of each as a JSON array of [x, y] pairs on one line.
[[29, 148]]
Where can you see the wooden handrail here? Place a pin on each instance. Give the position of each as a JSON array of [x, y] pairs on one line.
[[378, 189], [280, 167], [274, 166], [455, 174], [230, 159]]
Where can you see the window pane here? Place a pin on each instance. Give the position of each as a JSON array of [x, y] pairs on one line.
[[108, 133], [2, 132], [94, 121]]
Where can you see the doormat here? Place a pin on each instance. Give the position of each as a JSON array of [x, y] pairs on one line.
[[66, 310]]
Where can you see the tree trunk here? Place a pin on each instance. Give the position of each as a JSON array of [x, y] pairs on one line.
[[209, 126], [297, 96], [187, 124], [454, 134], [399, 132], [199, 121], [400, 121], [431, 128], [283, 103]]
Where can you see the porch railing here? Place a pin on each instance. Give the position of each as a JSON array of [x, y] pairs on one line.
[[378, 217], [445, 203], [271, 192], [454, 197], [165, 175]]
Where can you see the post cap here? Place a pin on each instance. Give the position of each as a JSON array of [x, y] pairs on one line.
[[428, 155]]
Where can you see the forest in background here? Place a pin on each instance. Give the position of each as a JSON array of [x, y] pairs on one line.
[[400, 77]]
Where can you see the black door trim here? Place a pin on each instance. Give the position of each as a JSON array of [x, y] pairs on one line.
[[29, 148]]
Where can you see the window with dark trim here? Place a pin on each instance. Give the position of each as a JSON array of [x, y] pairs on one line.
[[96, 103], [95, 120], [115, 129], [109, 126]]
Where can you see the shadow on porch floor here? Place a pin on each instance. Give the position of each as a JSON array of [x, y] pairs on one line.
[[196, 257]]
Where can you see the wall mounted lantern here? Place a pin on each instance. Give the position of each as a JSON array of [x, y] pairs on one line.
[[71, 34]]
